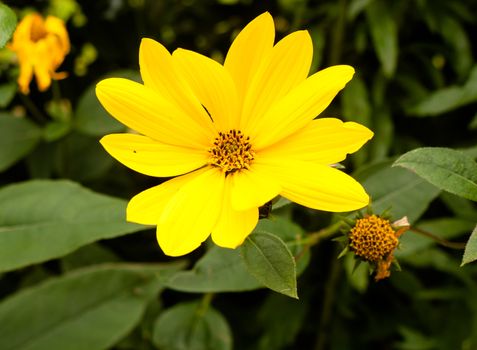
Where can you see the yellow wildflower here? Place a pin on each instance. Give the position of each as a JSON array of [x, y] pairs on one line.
[[41, 46], [234, 136]]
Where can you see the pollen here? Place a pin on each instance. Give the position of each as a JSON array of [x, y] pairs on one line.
[[232, 151], [373, 238]]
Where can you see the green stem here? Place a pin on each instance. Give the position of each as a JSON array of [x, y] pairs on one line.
[[55, 87], [328, 303], [204, 304], [338, 34], [443, 242], [298, 15], [316, 237], [325, 233], [33, 109]]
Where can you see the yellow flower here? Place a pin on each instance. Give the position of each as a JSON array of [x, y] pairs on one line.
[[233, 135], [41, 46]]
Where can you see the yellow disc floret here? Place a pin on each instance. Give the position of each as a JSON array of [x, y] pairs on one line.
[[232, 151], [373, 238]]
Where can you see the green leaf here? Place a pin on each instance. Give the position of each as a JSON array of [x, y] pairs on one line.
[[448, 169], [188, 326], [358, 275], [82, 158], [7, 92], [319, 40], [456, 37], [141, 336], [91, 118], [42, 160], [470, 253], [91, 254], [383, 129], [355, 102], [473, 123], [401, 191], [55, 130], [412, 339], [48, 219], [8, 22], [282, 319], [460, 207], [356, 107], [268, 259], [87, 309], [384, 35], [18, 136], [219, 270], [470, 151], [447, 99], [355, 7], [292, 235], [281, 202]]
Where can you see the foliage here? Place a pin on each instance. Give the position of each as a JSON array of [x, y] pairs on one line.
[[76, 275]]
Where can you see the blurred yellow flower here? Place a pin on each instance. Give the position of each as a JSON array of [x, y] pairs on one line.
[[234, 136], [41, 46]]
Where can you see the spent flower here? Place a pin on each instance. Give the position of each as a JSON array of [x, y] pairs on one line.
[[373, 239], [232, 136], [41, 46]]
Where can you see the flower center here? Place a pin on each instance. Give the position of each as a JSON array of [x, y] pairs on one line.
[[232, 151], [37, 30], [372, 238]]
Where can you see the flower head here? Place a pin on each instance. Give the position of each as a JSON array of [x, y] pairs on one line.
[[41, 46], [373, 239], [232, 136]]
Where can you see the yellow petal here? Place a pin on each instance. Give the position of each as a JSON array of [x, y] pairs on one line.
[[191, 214], [42, 64], [146, 207], [324, 141], [300, 106], [252, 188], [142, 109], [153, 158], [212, 84], [316, 186], [26, 74], [23, 30], [158, 73], [42, 67], [286, 67], [56, 26], [248, 49], [233, 226]]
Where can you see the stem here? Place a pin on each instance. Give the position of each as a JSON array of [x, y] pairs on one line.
[[338, 34], [327, 232], [439, 240], [55, 87], [328, 302], [33, 109], [298, 15], [316, 237], [204, 304]]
